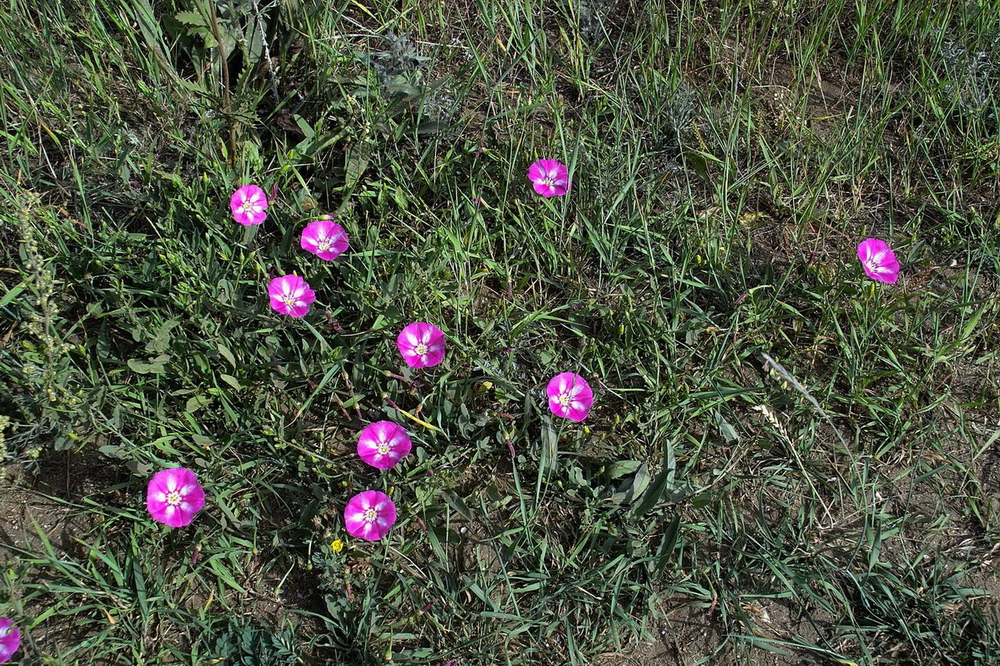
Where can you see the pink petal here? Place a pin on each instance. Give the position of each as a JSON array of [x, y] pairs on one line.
[[558, 384], [358, 526], [878, 260], [549, 177], [412, 359], [420, 332], [545, 190], [10, 641], [320, 230], [177, 479], [290, 286], [536, 172], [377, 433], [577, 389], [298, 310], [253, 195], [433, 357], [557, 408]]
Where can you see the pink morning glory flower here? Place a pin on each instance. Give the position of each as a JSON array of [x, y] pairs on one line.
[[324, 238], [421, 344], [383, 443], [878, 260], [248, 204], [174, 496], [570, 396], [369, 515], [10, 640], [290, 295], [550, 178]]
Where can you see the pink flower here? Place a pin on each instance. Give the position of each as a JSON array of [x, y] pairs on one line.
[[324, 238], [369, 515], [174, 496], [550, 177], [290, 295], [383, 443], [421, 344], [570, 396], [878, 260], [10, 640], [248, 204]]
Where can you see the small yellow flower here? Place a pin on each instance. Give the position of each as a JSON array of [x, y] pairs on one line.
[[337, 545]]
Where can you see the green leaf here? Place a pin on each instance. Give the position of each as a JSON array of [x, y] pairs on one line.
[[232, 381], [153, 367], [138, 468], [653, 493], [191, 18], [549, 455], [622, 468], [357, 161], [726, 429], [667, 544], [161, 340], [458, 504], [226, 354], [639, 484], [202, 440], [196, 403], [11, 294]]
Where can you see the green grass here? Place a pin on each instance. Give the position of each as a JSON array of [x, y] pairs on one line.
[[727, 157]]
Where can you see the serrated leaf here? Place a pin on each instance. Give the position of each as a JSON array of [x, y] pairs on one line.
[[191, 18]]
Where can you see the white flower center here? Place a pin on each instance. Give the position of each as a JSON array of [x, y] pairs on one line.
[[420, 349], [370, 515], [174, 498], [564, 400], [383, 448], [324, 244], [550, 178], [290, 300]]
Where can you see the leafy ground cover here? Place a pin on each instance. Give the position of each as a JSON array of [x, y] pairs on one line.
[[786, 462]]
